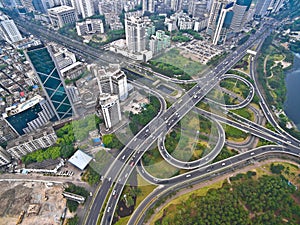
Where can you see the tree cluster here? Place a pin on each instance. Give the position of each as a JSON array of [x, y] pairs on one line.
[[66, 136], [169, 70], [233, 204], [145, 116]]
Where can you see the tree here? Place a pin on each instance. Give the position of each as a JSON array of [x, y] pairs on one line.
[[72, 205], [73, 221]]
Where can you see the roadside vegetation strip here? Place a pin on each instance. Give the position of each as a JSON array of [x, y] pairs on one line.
[[234, 134], [225, 154], [155, 165], [145, 189], [239, 194], [184, 197], [244, 112]]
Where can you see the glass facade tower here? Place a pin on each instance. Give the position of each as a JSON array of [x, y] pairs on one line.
[[50, 80]]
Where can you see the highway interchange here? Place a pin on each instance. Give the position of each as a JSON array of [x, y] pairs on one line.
[[119, 171]]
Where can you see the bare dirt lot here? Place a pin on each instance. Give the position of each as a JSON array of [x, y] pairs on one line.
[[40, 204]]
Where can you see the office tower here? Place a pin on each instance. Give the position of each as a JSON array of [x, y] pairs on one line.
[[62, 15], [219, 21], [8, 30], [110, 109], [89, 26], [262, 7], [31, 142], [112, 81], [240, 9], [148, 6], [135, 30], [86, 8], [4, 157], [51, 80], [29, 115]]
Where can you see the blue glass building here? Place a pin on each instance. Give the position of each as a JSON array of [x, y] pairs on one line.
[[50, 80]]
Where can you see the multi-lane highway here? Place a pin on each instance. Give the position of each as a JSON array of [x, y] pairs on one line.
[[168, 186], [168, 120], [121, 168]]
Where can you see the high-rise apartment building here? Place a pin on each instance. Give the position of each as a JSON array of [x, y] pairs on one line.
[[112, 81], [219, 21], [176, 5], [148, 6], [86, 8], [62, 15], [110, 109], [138, 30], [8, 30], [51, 80]]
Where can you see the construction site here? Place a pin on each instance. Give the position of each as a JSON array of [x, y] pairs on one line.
[[30, 203]]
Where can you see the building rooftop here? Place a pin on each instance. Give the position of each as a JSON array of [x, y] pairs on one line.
[[60, 9], [80, 159]]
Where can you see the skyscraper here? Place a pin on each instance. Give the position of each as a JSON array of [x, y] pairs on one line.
[[240, 9], [219, 21], [8, 30], [51, 81], [112, 81], [86, 8], [148, 6], [135, 30], [110, 109]]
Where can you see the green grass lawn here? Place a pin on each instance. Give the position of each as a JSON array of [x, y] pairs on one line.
[[102, 158], [244, 112], [173, 58], [155, 164]]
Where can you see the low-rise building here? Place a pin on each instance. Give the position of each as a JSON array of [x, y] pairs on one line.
[[73, 71], [28, 115], [31, 142], [62, 15], [5, 158], [89, 26]]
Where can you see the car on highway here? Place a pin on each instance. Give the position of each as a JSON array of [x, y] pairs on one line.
[[114, 192], [108, 209], [132, 164]]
